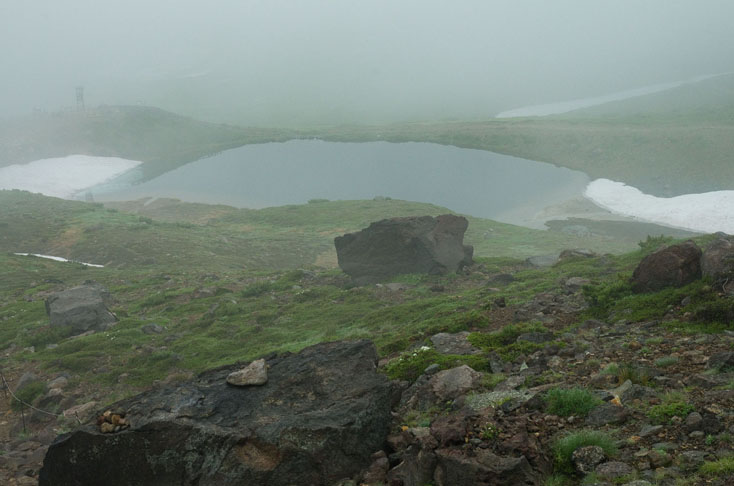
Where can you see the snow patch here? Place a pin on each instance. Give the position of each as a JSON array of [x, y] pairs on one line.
[[59, 259], [708, 212], [64, 176]]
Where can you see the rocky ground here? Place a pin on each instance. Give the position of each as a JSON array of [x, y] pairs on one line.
[[643, 402]]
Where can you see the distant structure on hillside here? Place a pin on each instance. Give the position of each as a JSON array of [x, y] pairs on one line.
[[80, 98]]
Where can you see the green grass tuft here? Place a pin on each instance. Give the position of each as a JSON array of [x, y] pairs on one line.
[[564, 447], [575, 401]]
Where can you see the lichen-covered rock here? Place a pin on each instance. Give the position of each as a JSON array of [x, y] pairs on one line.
[[673, 266], [585, 459], [717, 261], [80, 308], [404, 245], [322, 414]]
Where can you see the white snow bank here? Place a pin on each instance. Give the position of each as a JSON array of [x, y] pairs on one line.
[[58, 259], [706, 213], [571, 105], [63, 176]]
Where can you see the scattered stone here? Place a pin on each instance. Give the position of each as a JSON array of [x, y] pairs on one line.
[[541, 261], [575, 284], [404, 245], [152, 329], [585, 459], [449, 384], [25, 379], [648, 430], [254, 374], [614, 470], [576, 253], [693, 421], [500, 280], [80, 308], [717, 261], [673, 266], [58, 382], [605, 414], [457, 343], [723, 361], [83, 412], [377, 472], [482, 468], [691, 460]]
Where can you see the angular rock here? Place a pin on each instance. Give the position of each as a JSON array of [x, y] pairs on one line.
[[717, 261], [614, 470], [320, 417], [673, 266], [723, 361], [256, 373], [80, 308], [605, 414], [404, 245], [457, 343], [483, 468], [574, 284], [449, 384]]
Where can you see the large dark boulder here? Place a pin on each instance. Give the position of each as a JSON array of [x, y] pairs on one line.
[[318, 419], [80, 308], [672, 266], [405, 245], [717, 261]]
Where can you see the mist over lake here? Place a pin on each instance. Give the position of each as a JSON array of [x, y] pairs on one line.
[[474, 182]]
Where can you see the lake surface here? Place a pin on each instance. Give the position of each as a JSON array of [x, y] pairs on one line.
[[467, 181]]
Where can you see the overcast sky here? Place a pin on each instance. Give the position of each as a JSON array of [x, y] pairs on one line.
[[297, 62]]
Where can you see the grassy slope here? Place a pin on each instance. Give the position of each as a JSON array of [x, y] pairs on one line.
[[205, 273]]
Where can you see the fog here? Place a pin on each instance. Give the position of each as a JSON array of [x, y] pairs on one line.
[[297, 63]]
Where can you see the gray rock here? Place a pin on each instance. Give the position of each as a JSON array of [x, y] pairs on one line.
[[319, 419], [404, 245], [58, 382], [483, 468], [605, 414], [673, 266], [449, 384], [585, 459], [648, 430], [614, 470], [500, 279], [691, 460], [542, 261], [694, 421], [25, 379], [717, 261], [152, 329], [254, 374], [80, 308], [457, 343], [723, 361], [575, 283]]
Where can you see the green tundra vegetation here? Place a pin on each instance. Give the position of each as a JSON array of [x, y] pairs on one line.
[[224, 284]]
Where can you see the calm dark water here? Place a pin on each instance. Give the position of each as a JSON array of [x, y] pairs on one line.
[[473, 182]]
